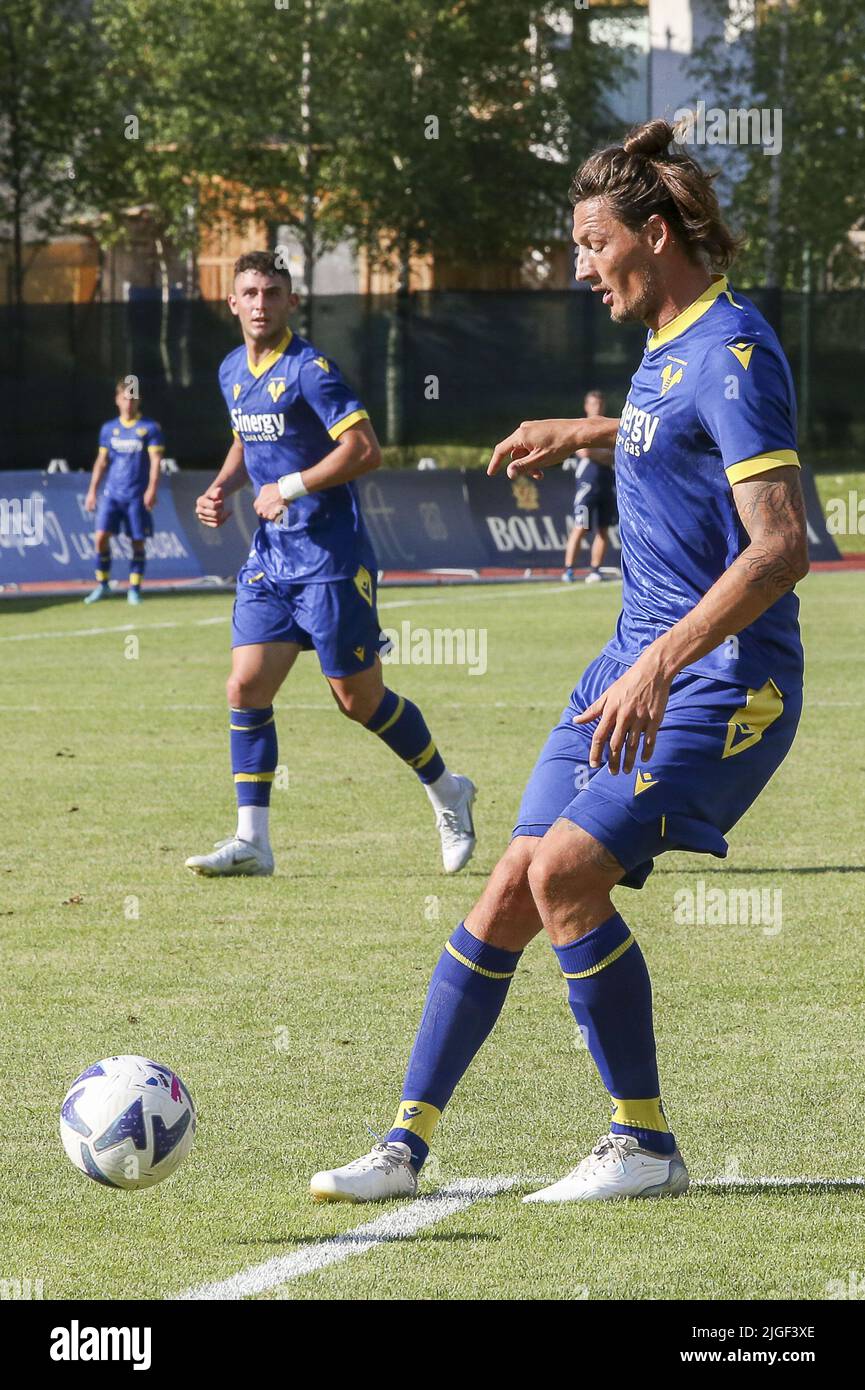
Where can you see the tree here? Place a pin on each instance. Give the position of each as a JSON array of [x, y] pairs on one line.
[[803, 63], [44, 124]]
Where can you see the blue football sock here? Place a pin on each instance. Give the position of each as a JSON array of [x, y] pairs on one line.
[[103, 566], [136, 568], [465, 998], [611, 998], [400, 725], [253, 754]]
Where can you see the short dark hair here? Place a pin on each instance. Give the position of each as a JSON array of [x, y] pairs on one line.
[[265, 262], [595, 391], [644, 176]]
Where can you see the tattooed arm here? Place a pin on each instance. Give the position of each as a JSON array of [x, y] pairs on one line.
[[772, 511]]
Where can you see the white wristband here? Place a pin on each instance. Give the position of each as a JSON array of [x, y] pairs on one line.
[[291, 486]]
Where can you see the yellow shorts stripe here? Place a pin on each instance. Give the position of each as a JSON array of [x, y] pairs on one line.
[[423, 758], [602, 964], [640, 1114], [394, 717], [478, 969], [252, 728], [254, 776], [761, 463]]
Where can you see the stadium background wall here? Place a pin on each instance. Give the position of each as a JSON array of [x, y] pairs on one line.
[[432, 368], [446, 519]]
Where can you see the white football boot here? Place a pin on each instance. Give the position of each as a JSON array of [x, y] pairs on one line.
[[618, 1167], [380, 1176], [230, 857], [457, 828]]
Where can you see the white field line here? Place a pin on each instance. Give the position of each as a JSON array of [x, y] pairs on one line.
[[394, 1225], [498, 596]]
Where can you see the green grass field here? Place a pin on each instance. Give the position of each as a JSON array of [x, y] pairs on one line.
[[288, 1004]]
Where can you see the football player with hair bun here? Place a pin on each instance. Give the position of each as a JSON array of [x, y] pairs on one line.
[[672, 732]]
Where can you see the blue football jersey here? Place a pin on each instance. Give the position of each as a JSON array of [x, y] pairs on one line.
[[127, 442], [711, 404], [288, 411]]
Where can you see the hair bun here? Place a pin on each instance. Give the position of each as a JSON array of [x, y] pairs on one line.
[[649, 140]]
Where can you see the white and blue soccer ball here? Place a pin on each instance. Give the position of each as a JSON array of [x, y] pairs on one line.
[[127, 1122]]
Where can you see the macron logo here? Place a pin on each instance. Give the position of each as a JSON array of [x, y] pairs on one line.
[[77, 1343]]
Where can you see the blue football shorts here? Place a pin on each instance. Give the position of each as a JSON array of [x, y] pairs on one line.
[[716, 749], [336, 618], [595, 496], [130, 516]]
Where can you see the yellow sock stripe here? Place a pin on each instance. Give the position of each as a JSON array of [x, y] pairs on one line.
[[418, 1118], [251, 728], [479, 969], [102, 575], [602, 964], [640, 1114], [394, 717], [423, 758], [254, 776], [135, 577]]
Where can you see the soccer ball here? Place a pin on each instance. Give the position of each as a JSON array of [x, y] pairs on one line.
[[127, 1122]]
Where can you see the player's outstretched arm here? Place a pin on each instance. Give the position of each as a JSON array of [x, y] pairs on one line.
[[772, 510], [210, 506], [357, 452], [539, 444], [99, 466]]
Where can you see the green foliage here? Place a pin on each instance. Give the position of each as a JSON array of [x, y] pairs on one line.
[[804, 59], [47, 66]]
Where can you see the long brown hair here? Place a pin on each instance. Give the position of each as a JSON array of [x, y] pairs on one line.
[[644, 176]]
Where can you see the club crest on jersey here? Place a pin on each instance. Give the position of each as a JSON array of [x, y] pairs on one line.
[[525, 494], [637, 430], [276, 388], [742, 352], [322, 362], [236, 389], [672, 374]]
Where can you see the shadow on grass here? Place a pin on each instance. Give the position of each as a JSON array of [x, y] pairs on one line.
[[353, 1238], [726, 1187], [775, 869]]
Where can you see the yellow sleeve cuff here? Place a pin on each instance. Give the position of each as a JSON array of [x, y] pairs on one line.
[[342, 425], [761, 463]]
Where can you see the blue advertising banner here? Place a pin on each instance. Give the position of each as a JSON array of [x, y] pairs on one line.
[[436, 520], [46, 535], [524, 522], [421, 520]]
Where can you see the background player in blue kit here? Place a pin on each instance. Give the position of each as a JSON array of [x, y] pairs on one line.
[[594, 500], [130, 453], [302, 438], [674, 730]]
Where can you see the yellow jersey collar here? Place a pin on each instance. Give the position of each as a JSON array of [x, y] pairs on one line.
[[271, 357], [690, 315], [127, 420]]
